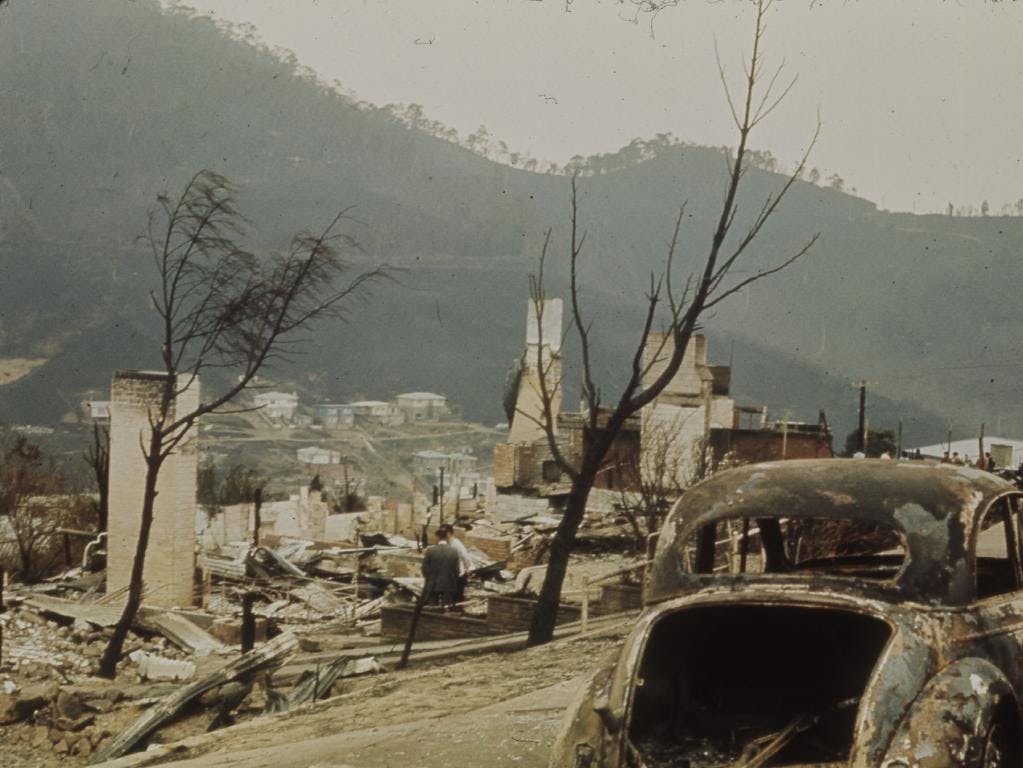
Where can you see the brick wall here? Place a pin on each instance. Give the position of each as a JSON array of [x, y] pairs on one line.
[[433, 624], [615, 598], [687, 381], [400, 564], [494, 547], [506, 613], [755, 445], [170, 559]]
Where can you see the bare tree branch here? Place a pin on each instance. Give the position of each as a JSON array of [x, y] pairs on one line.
[[223, 307], [702, 291]]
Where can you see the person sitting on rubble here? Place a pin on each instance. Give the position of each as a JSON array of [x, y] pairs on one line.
[[464, 563], [440, 572], [989, 462]]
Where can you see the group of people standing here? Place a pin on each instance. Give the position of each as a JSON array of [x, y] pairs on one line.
[[983, 462], [446, 567]]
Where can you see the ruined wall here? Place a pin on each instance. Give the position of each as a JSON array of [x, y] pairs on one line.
[[170, 559], [669, 442], [510, 613], [750, 446], [433, 625], [229, 524], [543, 343], [677, 420], [615, 598], [688, 381]]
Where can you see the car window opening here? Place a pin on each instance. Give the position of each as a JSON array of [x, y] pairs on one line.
[[998, 567], [749, 684], [839, 547]]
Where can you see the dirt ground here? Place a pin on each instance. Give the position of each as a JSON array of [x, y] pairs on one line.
[[433, 712]]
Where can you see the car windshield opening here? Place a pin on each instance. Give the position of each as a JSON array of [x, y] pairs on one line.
[[853, 548], [753, 685]]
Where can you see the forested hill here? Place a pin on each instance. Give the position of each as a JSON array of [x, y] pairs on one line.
[[104, 105]]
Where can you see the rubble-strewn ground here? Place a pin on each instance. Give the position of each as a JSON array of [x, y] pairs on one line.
[[515, 733], [392, 700]]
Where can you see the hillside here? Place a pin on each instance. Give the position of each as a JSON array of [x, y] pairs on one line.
[[107, 104]]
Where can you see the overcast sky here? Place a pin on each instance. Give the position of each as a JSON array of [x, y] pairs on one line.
[[920, 99]]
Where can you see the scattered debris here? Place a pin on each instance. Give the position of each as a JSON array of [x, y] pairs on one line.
[[154, 667], [270, 654]]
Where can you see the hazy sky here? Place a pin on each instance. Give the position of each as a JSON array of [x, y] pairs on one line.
[[920, 99]]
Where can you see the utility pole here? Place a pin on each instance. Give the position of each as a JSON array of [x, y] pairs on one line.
[[785, 435], [440, 497], [863, 417], [898, 442]]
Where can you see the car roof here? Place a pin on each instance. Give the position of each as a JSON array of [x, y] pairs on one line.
[[933, 505]]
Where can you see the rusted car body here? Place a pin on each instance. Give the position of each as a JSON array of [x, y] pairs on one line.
[[862, 613]]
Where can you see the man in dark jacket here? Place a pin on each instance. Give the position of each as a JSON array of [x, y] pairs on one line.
[[440, 571]]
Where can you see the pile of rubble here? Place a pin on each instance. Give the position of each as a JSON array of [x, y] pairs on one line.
[[184, 669]]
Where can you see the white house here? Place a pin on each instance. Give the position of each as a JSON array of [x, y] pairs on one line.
[[277, 405], [376, 412], [422, 406], [99, 410], [333, 415], [431, 462]]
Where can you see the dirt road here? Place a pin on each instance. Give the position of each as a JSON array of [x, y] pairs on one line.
[[513, 734], [500, 709]]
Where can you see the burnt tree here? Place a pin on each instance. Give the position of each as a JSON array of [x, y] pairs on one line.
[[677, 307], [222, 308]]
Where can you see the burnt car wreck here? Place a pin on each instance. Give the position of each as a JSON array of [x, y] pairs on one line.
[[820, 613]]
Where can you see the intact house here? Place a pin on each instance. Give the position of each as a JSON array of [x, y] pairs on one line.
[[98, 410], [334, 415], [376, 412], [422, 406], [277, 406]]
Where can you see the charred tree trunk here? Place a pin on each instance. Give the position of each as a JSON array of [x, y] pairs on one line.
[[545, 615], [154, 460]]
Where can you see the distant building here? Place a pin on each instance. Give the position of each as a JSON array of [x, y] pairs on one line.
[[279, 406], [431, 462], [542, 355], [422, 406], [333, 415], [98, 410], [316, 455], [772, 441], [1006, 451], [694, 403], [376, 412]]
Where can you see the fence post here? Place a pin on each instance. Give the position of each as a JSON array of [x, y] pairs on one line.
[[248, 622]]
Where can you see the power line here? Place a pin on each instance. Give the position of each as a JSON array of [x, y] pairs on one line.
[[946, 368]]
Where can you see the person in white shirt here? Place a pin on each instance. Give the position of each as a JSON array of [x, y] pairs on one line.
[[464, 563]]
